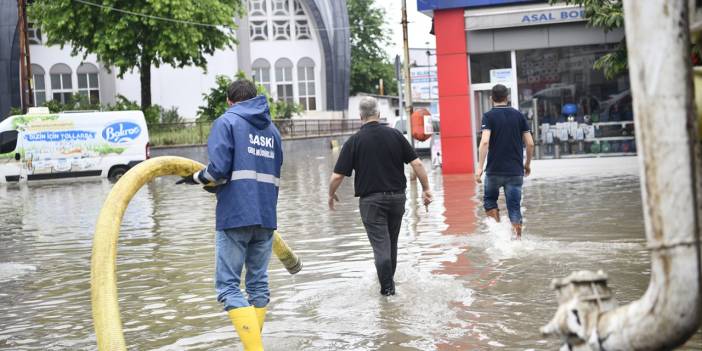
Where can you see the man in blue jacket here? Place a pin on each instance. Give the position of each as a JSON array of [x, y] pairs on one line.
[[245, 153]]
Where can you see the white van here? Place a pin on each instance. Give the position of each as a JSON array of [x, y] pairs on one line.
[[42, 146]]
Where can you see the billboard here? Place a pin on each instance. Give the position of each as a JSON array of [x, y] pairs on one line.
[[429, 5], [425, 85]]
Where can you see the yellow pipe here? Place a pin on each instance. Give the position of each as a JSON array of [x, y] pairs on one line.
[[103, 280], [286, 256]]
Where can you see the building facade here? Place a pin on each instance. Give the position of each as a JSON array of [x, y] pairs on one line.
[[298, 49], [544, 54]]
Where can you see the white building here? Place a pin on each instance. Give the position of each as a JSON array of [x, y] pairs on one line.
[[298, 49]]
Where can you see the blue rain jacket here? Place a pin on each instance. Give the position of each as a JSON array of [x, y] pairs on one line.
[[245, 152]]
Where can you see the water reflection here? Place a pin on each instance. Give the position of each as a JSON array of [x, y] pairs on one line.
[[462, 284]]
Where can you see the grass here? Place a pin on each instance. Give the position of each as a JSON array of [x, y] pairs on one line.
[[179, 134]]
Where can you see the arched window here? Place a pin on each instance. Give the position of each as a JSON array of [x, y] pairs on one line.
[[284, 80], [61, 85], [262, 73], [88, 82], [306, 84], [39, 85]]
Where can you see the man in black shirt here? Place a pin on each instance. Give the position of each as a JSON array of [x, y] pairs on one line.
[[505, 133], [377, 154]]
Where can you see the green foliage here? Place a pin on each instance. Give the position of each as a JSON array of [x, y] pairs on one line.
[[285, 109], [153, 114], [76, 102], [608, 15], [613, 63], [216, 100], [369, 38], [123, 104], [605, 14], [14, 111], [126, 40], [171, 115]]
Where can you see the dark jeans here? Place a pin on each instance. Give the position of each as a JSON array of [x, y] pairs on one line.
[[513, 195], [382, 217]]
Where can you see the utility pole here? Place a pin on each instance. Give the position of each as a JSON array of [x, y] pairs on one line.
[[398, 75], [406, 68], [25, 65]]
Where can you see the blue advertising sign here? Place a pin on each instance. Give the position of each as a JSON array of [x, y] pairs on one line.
[[429, 5], [121, 132], [58, 136]]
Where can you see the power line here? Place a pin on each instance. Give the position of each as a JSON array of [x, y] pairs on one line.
[[152, 16], [173, 20]]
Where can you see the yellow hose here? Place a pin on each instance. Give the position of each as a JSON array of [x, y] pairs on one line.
[[103, 280]]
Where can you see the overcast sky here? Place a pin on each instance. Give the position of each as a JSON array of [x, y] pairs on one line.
[[418, 27]]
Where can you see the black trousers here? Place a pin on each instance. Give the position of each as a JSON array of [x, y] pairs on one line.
[[382, 217]]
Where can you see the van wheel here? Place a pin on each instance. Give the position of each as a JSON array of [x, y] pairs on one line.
[[116, 172]]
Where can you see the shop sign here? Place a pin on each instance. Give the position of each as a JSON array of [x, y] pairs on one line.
[[501, 76], [428, 5], [549, 15]]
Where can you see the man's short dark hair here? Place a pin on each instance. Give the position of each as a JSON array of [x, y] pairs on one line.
[[499, 93], [241, 90]]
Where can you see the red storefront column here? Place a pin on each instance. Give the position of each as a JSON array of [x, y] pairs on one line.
[[454, 91]]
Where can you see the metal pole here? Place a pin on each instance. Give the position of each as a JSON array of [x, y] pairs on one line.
[[537, 140], [398, 74], [668, 314], [408, 82]]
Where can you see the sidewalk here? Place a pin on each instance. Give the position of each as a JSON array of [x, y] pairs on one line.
[[585, 167]]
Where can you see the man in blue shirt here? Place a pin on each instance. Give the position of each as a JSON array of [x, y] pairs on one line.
[[245, 153], [505, 133]]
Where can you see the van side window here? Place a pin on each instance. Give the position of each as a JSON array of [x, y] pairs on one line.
[[8, 141]]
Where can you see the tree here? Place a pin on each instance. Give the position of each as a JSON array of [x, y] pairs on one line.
[[131, 34], [608, 15], [369, 38], [216, 100]]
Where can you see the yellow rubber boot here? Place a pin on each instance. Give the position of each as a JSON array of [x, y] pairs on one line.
[[246, 325], [261, 316]]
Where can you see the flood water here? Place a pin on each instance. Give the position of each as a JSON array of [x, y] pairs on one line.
[[461, 283]]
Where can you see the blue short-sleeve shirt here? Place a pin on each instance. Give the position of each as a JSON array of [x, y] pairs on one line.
[[506, 152]]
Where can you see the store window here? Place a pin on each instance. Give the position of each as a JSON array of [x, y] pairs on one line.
[[305, 84], [575, 108], [61, 85], [39, 85], [88, 83], [284, 80], [262, 73], [481, 64]]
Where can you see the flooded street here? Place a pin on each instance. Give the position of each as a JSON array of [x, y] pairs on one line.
[[461, 283]]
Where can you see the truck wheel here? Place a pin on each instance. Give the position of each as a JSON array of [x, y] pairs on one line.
[[116, 172]]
